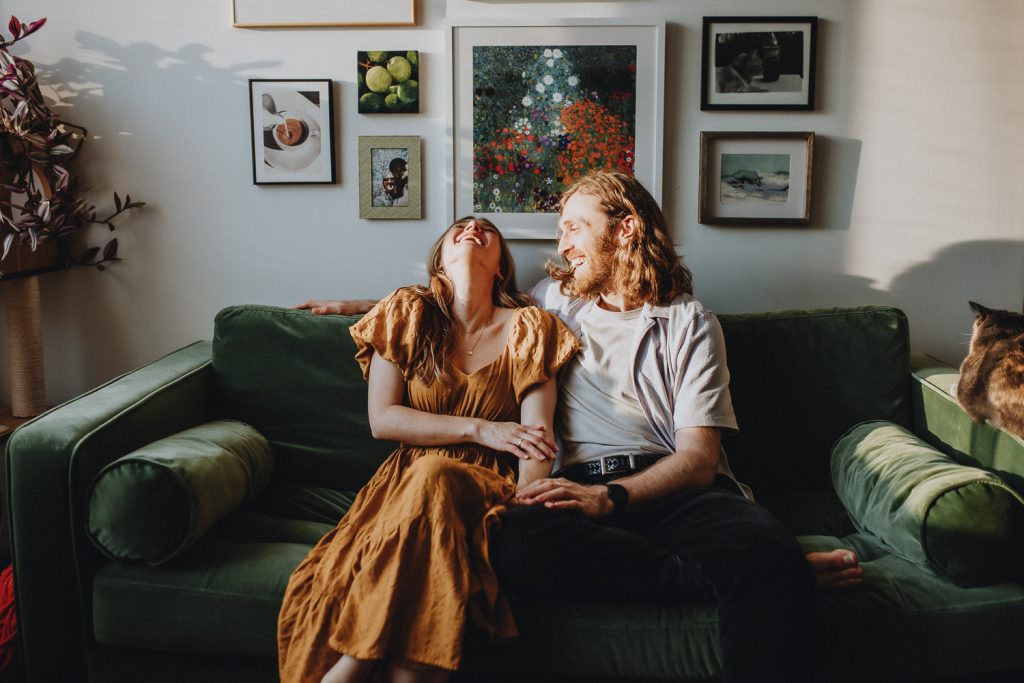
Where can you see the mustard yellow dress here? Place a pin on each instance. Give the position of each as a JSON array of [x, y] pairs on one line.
[[407, 566]]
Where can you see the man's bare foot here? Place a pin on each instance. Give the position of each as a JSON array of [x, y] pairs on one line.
[[836, 568]]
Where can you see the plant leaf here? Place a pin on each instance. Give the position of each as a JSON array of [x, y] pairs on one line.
[[35, 26], [14, 26], [89, 254], [8, 241], [110, 251], [117, 202]]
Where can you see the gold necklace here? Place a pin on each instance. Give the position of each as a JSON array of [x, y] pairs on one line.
[[472, 350]]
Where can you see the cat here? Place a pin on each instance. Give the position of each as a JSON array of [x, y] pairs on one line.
[[736, 77], [991, 382]]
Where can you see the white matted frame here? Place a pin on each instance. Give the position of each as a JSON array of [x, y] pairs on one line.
[[755, 178], [314, 13], [390, 177], [554, 40]]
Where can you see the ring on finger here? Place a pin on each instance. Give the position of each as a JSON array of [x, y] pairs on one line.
[[520, 444]]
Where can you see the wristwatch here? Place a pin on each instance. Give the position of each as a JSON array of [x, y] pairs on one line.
[[619, 497]]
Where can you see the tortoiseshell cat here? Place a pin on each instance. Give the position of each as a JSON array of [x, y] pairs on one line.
[[992, 376]]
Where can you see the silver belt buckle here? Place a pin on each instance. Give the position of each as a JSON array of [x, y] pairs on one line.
[[610, 464]]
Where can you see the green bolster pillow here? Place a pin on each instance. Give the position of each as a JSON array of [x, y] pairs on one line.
[[963, 522], [154, 503]]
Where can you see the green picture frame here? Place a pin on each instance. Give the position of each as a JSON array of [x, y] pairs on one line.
[[390, 177]]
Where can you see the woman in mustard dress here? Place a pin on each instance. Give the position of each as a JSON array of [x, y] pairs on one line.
[[462, 373]]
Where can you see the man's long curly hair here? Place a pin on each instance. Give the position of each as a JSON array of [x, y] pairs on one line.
[[648, 269], [438, 333]]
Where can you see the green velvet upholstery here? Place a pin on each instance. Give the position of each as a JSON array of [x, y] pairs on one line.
[[817, 372], [963, 522], [293, 377], [800, 380], [155, 502]]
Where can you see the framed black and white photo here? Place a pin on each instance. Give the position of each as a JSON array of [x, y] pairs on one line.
[[292, 136], [390, 182], [758, 63], [755, 178], [537, 104]]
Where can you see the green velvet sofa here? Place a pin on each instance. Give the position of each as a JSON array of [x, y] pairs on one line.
[[800, 380]]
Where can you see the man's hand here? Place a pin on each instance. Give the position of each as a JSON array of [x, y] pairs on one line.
[[563, 494], [336, 306]]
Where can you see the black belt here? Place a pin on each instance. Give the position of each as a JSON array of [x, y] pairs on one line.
[[609, 464]]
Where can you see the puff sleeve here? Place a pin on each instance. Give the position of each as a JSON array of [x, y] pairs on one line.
[[541, 344], [391, 328]]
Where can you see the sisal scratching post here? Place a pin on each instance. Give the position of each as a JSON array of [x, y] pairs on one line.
[[25, 342]]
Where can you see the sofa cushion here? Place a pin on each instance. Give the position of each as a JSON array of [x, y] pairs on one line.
[[221, 597], [157, 501], [963, 522], [293, 376], [799, 379]]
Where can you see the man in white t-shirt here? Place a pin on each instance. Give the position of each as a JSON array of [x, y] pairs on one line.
[[642, 506]]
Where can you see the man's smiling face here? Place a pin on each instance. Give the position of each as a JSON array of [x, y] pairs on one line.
[[587, 244]]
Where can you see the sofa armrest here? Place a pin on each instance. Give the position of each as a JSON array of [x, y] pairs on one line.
[[939, 420], [51, 461]]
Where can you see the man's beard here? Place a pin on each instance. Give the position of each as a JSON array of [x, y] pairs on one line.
[[600, 270]]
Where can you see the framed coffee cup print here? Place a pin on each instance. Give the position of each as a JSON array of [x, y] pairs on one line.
[[758, 63], [755, 178], [390, 182], [292, 131]]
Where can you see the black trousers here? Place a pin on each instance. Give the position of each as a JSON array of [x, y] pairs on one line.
[[706, 545]]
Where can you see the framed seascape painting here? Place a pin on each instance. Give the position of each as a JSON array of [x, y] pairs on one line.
[[758, 63], [755, 178], [312, 13], [534, 106], [390, 182], [292, 132]]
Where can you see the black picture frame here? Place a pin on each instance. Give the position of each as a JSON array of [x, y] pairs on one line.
[[301, 110], [758, 63]]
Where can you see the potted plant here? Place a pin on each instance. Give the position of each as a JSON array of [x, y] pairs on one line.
[[40, 202]]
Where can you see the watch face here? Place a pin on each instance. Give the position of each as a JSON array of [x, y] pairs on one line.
[[619, 497]]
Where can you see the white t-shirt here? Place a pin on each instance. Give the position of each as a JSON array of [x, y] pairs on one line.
[[598, 412]]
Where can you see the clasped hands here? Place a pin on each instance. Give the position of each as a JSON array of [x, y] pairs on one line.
[[534, 443]]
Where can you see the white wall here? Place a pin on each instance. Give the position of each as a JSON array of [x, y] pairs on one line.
[[920, 124]]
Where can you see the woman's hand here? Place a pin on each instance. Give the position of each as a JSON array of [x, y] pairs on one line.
[[523, 441]]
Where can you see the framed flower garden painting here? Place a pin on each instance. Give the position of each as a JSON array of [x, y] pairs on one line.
[[536, 106]]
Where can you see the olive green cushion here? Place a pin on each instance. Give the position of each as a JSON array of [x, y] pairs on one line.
[[963, 522], [831, 368], [155, 502], [293, 376]]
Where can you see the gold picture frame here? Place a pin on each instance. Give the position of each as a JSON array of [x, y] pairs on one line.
[[321, 13]]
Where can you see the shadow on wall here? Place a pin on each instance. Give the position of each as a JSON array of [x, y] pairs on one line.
[[836, 164], [933, 293], [92, 320], [990, 272]]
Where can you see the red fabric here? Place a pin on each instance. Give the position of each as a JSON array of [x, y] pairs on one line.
[[8, 621]]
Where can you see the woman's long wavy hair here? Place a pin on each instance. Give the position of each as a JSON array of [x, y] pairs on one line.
[[438, 333], [648, 269]]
